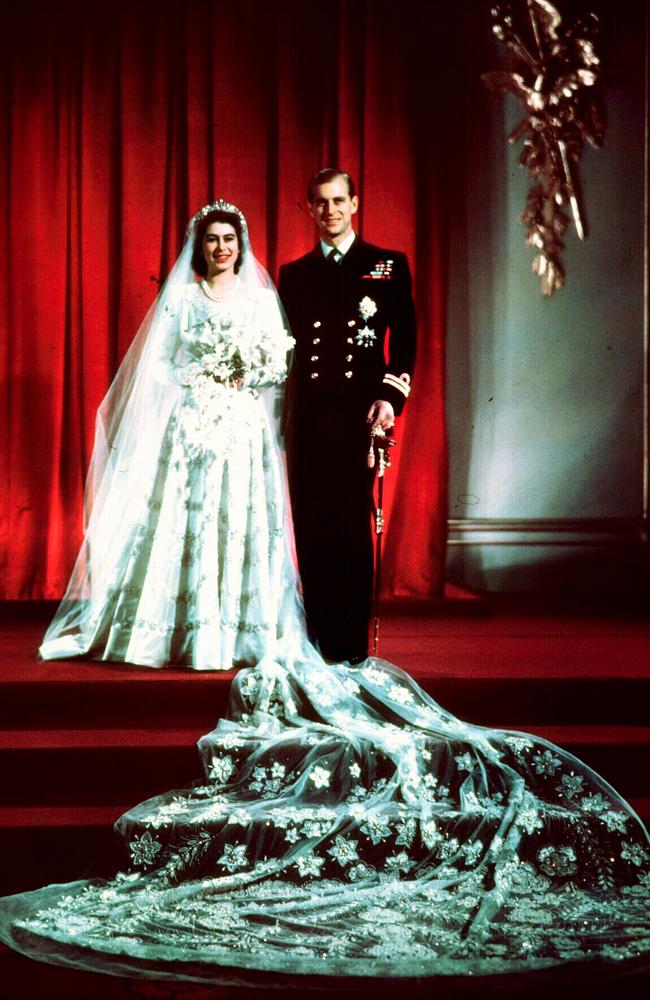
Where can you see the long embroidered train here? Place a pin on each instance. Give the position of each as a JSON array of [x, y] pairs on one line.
[[348, 825]]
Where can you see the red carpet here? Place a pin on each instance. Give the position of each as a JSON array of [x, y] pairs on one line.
[[80, 741]]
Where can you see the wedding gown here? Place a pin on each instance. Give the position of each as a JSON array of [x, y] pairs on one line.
[[346, 824], [193, 575]]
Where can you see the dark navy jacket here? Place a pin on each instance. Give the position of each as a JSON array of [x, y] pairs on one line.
[[341, 315]]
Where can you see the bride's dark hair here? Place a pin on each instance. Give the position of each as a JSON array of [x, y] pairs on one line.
[[199, 264]]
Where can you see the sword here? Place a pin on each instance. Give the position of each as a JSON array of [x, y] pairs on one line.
[[379, 455]]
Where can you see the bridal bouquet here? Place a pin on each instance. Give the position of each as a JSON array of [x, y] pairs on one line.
[[227, 356], [232, 354]]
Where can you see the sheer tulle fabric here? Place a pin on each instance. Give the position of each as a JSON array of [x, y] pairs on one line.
[[347, 825]]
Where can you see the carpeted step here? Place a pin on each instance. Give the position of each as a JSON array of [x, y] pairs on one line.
[[102, 766], [487, 671], [488, 701], [91, 696], [47, 845], [100, 696], [94, 766]]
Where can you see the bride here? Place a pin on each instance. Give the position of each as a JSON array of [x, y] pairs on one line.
[[346, 824], [183, 556]]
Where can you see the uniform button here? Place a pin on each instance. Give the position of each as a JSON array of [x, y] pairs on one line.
[[348, 357], [316, 340], [348, 374], [314, 374], [317, 323], [350, 340], [314, 357], [352, 322]]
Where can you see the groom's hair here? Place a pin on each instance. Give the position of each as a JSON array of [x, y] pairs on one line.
[[326, 175]]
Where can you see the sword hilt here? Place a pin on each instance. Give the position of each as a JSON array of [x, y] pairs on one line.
[[379, 447]]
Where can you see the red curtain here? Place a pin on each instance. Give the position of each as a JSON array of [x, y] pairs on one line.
[[119, 122]]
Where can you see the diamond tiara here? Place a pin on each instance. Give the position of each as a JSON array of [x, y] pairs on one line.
[[220, 205]]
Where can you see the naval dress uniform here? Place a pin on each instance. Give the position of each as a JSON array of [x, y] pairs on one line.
[[354, 327]]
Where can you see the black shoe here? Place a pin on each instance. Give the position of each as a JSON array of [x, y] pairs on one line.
[[354, 661], [344, 661]]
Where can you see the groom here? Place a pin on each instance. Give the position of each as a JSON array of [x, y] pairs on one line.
[[350, 375]]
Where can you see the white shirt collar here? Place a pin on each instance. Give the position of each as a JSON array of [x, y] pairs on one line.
[[342, 248]]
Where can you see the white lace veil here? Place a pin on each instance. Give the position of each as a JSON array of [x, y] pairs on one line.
[[130, 428]]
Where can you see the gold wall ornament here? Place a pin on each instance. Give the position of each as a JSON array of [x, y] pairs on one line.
[[553, 69]]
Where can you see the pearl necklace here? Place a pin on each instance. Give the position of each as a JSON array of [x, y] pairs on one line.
[[219, 298]]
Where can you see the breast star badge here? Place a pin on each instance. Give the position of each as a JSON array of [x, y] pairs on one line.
[[365, 336]]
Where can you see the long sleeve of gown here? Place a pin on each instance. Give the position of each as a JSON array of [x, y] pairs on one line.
[[169, 364]]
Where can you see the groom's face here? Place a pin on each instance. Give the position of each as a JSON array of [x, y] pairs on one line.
[[332, 210]]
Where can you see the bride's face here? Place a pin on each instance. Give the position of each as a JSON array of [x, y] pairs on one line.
[[220, 248]]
